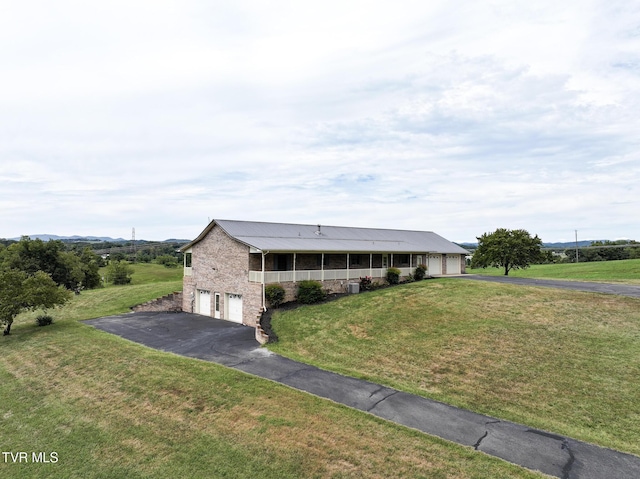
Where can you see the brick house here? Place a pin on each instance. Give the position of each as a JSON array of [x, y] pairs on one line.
[[228, 265]]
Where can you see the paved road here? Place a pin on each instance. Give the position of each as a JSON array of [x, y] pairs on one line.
[[233, 345], [607, 288]]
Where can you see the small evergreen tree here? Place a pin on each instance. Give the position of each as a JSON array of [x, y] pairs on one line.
[[393, 275], [310, 292], [275, 294]]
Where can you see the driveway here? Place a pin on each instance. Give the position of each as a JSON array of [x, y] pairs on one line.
[[606, 288], [234, 345]]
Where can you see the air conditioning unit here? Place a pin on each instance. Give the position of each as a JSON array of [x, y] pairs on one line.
[[354, 288]]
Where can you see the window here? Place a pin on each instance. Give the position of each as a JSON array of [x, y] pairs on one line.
[[187, 260]]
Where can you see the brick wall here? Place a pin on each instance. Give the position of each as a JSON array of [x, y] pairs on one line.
[[220, 264], [170, 302]]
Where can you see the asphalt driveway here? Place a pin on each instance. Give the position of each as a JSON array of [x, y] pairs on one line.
[[234, 345]]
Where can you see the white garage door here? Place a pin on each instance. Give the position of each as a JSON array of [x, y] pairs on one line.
[[234, 307], [435, 264], [204, 302], [453, 264]]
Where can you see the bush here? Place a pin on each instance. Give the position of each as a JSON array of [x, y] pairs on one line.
[[420, 272], [366, 283], [310, 292], [393, 275], [274, 294], [119, 272], [167, 260], [44, 320]]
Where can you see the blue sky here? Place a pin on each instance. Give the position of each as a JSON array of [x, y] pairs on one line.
[[454, 117]]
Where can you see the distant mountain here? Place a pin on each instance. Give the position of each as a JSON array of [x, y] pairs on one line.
[[48, 237], [569, 244], [562, 245]]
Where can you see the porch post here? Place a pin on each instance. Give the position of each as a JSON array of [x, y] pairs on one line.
[[322, 266], [347, 266], [371, 265], [294, 267]]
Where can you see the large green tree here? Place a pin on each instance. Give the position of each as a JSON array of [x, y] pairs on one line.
[[20, 291], [508, 249], [65, 267]]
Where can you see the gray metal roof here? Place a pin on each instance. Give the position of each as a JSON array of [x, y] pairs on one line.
[[281, 237]]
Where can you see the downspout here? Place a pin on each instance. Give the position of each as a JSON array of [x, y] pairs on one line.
[[264, 294]]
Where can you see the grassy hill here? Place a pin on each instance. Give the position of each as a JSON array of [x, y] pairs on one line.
[[558, 360], [109, 408], [622, 271]]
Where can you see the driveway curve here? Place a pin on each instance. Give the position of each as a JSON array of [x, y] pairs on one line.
[[234, 345], [629, 290]]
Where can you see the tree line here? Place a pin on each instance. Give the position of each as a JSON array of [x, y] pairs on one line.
[[604, 251]]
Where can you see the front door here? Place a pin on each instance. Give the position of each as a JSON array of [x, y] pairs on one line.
[[216, 309]]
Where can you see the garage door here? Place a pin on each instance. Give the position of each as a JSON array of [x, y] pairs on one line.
[[234, 305], [453, 264], [435, 264], [204, 302]]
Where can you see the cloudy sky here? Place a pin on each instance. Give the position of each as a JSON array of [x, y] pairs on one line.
[[455, 117]]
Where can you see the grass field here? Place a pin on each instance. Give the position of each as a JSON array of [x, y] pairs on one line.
[[563, 361], [623, 271], [110, 408]]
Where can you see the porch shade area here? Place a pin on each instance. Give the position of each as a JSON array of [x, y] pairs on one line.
[[293, 267]]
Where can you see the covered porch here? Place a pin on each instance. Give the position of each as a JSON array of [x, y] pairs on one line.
[[283, 267]]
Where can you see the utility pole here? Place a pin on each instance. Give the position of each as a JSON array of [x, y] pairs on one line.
[[133, 243], [576, 246]]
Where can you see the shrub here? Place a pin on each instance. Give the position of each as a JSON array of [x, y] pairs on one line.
[[420, 273], [44, 320], [274, 294], [167, 260], [366, 283], [393, 275], [310, 292], [119, 272]]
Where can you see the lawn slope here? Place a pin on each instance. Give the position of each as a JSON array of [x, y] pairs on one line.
[[111, 409], [563, 361]]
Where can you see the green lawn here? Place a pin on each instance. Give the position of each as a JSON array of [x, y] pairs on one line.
[[558, 360], [623, 271], [111, 409]]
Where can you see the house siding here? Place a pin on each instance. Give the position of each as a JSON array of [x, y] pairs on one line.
[[220, 264]]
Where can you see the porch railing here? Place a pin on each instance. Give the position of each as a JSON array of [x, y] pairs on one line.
[[320, 275]]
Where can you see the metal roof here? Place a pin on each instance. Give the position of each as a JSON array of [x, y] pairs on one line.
[[281, 237]]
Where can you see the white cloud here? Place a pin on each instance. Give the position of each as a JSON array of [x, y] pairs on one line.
[[424, 115]]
